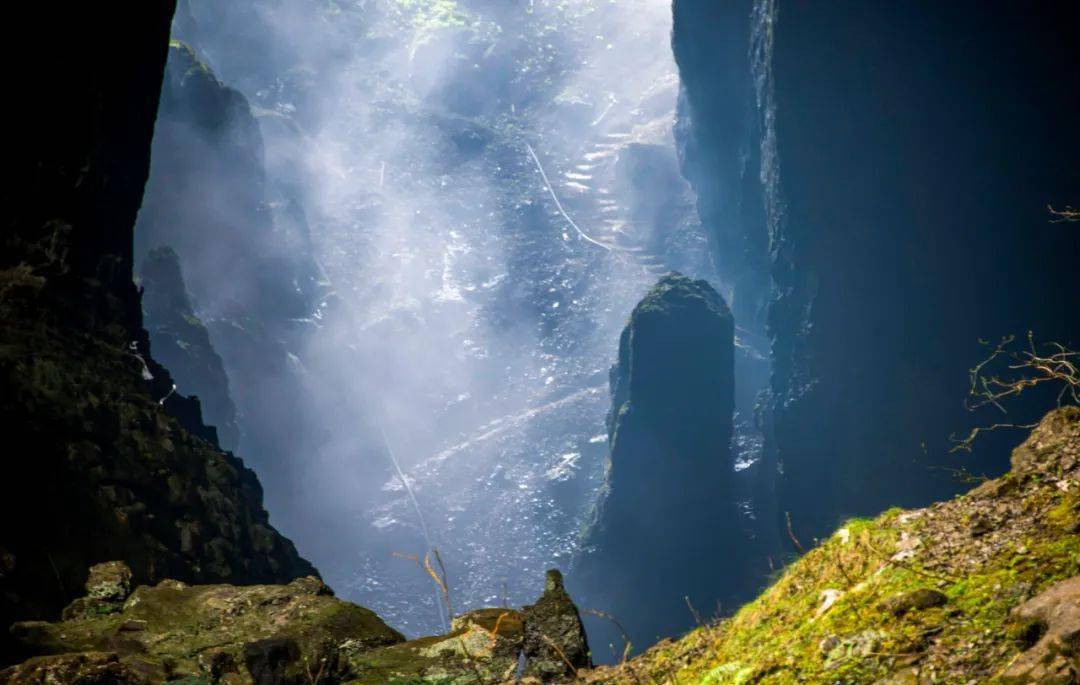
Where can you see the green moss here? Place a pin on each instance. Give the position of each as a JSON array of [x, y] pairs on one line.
[[827, 617]]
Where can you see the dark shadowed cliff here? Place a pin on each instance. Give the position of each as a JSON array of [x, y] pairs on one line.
[[904, 156], [104, 461], [245, 253]]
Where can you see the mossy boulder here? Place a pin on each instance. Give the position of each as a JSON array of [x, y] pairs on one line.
[[105, 473], [218, 633], [293, 634], [1051, 624], [914, 600], [85, 668], [107, 586]]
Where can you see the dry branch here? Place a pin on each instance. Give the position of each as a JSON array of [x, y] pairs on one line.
[[1063, 216], [1010, 370]]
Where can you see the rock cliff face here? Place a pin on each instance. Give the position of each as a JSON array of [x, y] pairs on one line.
[[245, 255], [718, 137], [182, 344], [109, 462], [207, 199], [671, 469], [82, 162], [906, 155]]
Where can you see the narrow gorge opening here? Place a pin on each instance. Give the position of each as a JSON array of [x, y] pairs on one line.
[[413, 231]]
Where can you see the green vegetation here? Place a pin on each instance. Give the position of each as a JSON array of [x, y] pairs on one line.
[[925, 592], [434, 14]]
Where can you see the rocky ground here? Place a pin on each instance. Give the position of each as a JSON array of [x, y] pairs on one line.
[[294, 633], [978, 589], [983, 588]]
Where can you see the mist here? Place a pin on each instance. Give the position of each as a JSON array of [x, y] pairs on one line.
[[460, 203]]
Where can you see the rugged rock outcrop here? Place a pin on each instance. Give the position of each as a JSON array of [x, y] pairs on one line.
[[80, 162], [719, 144], [671, 470], [104, 461], [207, 198], [246, 258], [222, 633], [555, 645], [111, 475], [916, 596], [182, 344], [289, 634], [1051, 621]]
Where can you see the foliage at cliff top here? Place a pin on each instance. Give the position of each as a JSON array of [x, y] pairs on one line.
[[946, 594]]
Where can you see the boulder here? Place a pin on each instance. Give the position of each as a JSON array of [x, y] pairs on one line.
[[915, 600], [555, 644], [109, 581], [89, 668]]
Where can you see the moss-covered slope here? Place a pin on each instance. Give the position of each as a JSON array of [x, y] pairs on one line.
[[946, 594]]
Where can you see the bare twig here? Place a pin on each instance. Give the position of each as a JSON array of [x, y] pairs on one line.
[[314, 678], [498, 622], [693, 611], [1010, 370], [562, 655], [440, 580], [791, 534], [1062, 216], [627, 644], [965, 444]]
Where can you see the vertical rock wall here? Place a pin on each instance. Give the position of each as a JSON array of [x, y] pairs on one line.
[[914, 148], [96, 465], [668, 529]]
